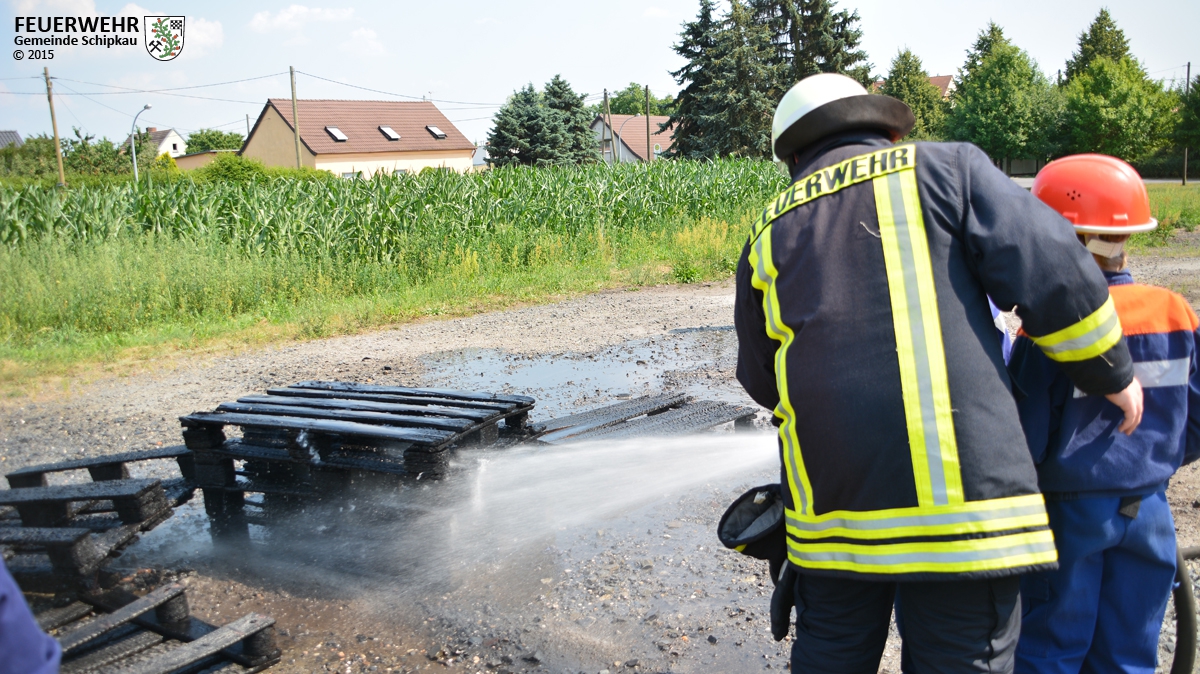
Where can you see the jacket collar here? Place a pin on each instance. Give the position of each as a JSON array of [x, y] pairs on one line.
[[1119, 278], [811, 155]]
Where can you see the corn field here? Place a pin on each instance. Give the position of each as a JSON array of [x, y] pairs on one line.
[[95, 270], [396, 219]]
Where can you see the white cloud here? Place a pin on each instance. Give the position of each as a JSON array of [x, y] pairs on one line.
[[55, 7], [655, 12], [365, 42], [203, 35], [295, 17]]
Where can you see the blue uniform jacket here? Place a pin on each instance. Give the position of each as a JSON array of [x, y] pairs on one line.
[[1073, 437]]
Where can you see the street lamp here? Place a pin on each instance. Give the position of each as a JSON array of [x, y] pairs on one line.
[[619, 130], [133, 140]]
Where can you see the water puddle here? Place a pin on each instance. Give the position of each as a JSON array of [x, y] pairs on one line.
[[697, 361]]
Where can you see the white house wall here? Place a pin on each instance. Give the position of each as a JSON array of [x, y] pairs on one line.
[[389, 162]]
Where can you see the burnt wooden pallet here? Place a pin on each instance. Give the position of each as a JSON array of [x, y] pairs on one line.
[[59, 537], [311, 440], [667, 414], [119, 633]]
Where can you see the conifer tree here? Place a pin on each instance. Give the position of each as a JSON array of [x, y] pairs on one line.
[[1101, 39], [696, 46], [988, 39], [810, 37], [908, 81], [739, 100], [580, 144], [525, 132]]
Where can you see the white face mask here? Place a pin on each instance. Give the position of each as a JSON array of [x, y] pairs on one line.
[[1105, 249]]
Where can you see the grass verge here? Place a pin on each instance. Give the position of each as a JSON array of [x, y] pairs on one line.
[[68, 307]]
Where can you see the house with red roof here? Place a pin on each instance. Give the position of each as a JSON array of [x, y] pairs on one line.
[[358, 138]]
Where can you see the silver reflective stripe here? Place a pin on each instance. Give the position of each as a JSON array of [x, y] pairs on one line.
[[1158, 373], [922, 557], [918, 520], [1083, 341], [760, 268], [904, 240]]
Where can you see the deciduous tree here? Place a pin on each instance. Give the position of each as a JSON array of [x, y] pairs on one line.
[[908, 81], [1003, 103], [632, 101], [1187, 132], [213, 139], [1113, 107]]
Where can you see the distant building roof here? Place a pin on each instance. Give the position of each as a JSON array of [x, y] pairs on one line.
[[10, 138], [633, 133], [944, 83], [157, 135], [420, 125]]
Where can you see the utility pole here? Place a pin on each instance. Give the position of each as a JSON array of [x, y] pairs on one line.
[[62, 179], [612, 145], [606, 119], [247, 126], [1187, 89], [649, 147], [295, 117]]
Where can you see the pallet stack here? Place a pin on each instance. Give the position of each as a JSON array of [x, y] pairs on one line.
[[669, 414], [311, 441]]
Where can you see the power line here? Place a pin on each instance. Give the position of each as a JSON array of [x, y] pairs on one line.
[[389, 93], [97, 93], [130, 90]]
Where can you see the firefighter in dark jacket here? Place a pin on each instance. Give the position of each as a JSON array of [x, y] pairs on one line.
[[863, 323]]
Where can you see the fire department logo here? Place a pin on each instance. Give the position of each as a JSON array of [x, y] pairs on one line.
[[164, 36]]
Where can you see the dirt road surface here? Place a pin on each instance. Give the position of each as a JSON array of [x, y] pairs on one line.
[[638, 585]]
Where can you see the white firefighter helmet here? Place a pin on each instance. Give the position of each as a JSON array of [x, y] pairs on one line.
[[828, 103]]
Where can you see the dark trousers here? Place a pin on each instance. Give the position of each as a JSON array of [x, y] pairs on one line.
[[948, 627]]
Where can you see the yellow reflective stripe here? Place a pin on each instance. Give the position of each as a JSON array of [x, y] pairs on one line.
[[971, 517], [1088, 338], [741, 547], [831, 179], [920, 353], [961, 556], [763, 279]]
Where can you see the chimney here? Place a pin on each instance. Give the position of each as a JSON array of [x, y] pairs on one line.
[[151, 129]]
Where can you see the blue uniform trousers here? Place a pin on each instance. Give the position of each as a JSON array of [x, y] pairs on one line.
[[1101, 611]]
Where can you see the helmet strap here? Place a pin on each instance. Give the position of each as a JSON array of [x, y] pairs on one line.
[[1102, 248]]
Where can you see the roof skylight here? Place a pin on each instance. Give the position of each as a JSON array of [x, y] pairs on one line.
[[437, 133], [336, 133], [389, 133]]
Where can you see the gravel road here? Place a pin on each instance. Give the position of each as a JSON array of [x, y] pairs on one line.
[[644, 587]]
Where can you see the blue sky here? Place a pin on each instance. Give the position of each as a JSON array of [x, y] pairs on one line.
[[470, 55]]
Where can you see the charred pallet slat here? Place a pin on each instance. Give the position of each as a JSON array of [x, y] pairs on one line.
[[121, 633], [667, 414]]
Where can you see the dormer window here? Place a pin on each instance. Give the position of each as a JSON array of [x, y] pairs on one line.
[[436, 132], [336, 134], [389, 133]]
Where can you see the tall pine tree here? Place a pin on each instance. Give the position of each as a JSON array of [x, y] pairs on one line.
[[739, 100], [527, 133], [811, 37], [696, 45], [1101, 39], [908, 81], [560, 98]]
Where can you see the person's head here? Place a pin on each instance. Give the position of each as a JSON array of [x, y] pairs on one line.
[[821, 105], [1104, 199]]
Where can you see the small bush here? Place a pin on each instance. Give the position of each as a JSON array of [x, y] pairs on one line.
[[230, 168]]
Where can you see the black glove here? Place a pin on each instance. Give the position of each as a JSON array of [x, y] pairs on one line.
[[782, 601]]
